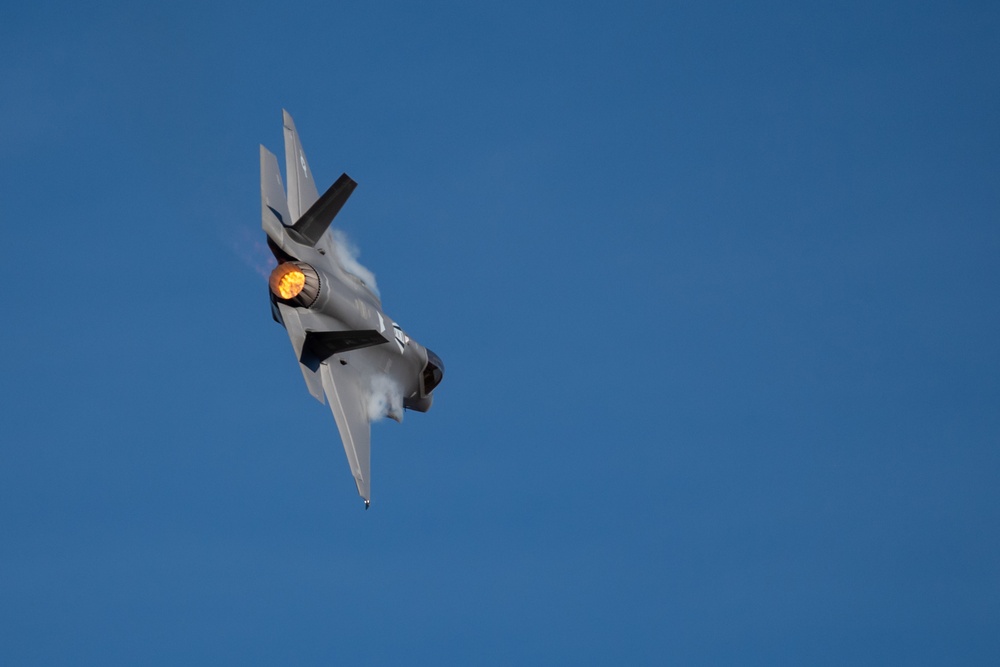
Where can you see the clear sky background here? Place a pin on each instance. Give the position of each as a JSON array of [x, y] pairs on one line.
[[716, 286]]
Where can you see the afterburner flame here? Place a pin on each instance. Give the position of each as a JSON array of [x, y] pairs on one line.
[[287, 280]]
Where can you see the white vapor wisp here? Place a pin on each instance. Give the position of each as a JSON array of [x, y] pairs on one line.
[[347, 256], [385, 399], [252, 251]]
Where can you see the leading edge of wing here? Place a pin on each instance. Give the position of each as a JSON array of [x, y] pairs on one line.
[[347, 398]]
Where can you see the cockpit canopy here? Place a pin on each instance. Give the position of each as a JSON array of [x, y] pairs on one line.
[[433, 372]]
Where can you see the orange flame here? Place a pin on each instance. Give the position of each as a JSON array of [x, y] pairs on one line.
[[287, 280]]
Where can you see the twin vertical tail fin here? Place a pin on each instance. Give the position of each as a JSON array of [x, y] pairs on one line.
[[301, 188], [273, 203], [302, 213]]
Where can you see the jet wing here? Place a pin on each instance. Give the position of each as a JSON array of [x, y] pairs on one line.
[[343, 386], [348, 402]]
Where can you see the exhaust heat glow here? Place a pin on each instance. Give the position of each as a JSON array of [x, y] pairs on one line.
[[287, 281]]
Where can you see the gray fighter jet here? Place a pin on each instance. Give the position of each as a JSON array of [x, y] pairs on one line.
[[346, 346]]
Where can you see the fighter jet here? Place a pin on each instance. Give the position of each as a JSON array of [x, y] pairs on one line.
[[347, 348]]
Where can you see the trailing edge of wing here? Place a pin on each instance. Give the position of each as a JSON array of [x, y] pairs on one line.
[[301, 188], [314, 222], [347, 402]]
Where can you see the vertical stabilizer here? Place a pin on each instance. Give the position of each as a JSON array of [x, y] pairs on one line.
[[302, 191], [273, 204]]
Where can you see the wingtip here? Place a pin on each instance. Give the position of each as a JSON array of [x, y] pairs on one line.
[[367, 503], [286, 118]]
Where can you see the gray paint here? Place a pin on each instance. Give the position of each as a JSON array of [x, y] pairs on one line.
[[347, 348]]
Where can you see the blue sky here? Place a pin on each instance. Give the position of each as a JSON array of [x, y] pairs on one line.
[[715, 285]]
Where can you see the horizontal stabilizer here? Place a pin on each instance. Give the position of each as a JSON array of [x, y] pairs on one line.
[[290, 319], [321, 345], [314, 222]]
